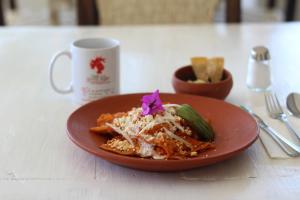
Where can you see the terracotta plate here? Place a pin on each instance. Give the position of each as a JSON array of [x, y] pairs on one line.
[[235, 130]]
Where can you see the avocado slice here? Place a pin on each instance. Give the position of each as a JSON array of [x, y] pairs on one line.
[[196, 122]]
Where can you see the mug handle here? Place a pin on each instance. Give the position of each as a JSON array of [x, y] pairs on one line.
[[51, 66]]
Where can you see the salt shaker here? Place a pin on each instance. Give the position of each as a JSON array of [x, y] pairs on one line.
[[259, 74]]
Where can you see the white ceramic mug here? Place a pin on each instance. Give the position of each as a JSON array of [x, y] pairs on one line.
[[95, 69]]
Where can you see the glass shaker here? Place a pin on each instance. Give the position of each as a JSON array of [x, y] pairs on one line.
[[259, 74]]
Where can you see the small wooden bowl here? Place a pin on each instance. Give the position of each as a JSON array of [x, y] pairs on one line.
[[218, 90]]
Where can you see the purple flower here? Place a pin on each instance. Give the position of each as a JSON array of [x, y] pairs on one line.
[[151, 103]]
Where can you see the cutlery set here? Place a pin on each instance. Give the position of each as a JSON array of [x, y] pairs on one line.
[[275, 111]]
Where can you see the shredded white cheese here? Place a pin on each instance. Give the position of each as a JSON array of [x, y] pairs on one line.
[[123, 133], [176, 137], [146, 149], [135, 124]]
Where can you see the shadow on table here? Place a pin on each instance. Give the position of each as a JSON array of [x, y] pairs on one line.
[[237, 168]]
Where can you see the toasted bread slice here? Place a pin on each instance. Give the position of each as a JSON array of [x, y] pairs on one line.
[[215, 68], [199, 65]]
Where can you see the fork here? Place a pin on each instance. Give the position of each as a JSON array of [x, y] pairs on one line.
[[280, 140], [276, 112]]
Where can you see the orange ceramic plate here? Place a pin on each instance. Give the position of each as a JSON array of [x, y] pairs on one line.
[[234, 128]]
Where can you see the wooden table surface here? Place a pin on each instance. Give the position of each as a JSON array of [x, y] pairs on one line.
[[38, 161]]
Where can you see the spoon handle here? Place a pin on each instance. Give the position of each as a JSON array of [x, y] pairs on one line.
[[281, 141], [290, 127]]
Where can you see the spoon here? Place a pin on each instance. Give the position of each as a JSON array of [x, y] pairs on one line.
[[293, 104]]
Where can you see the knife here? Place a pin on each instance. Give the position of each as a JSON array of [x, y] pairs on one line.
[[279, 139]]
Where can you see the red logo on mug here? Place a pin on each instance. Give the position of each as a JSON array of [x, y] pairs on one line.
[[98, 64]]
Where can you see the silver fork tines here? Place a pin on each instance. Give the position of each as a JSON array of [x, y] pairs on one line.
[[275, 111]]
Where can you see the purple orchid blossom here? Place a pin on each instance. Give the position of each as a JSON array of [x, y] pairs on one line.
[[151, 104]]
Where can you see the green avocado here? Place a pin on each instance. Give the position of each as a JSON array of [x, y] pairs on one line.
[[196, 122]]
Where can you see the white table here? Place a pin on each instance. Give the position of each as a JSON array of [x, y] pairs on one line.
[[38, 161]]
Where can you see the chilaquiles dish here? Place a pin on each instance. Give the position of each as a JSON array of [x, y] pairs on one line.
[[156, 131]]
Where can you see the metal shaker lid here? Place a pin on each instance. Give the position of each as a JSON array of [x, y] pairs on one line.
[[260, 53]]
